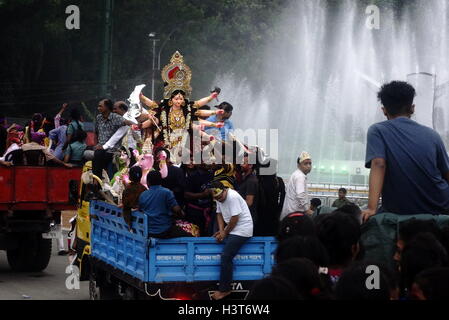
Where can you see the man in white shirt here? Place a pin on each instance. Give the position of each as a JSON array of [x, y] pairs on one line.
[[233, 211], [297, 195]]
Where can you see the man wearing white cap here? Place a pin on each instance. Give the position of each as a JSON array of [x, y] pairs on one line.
[[297, 197]]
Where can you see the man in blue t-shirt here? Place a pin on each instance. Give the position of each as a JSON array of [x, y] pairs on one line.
[[228, 126], [159, 204], [409, 162]]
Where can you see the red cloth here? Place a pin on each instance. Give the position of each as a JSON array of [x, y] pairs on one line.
[[90, 141], [172, 72]]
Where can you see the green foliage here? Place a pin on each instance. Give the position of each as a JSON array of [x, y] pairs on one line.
[[44, 64]]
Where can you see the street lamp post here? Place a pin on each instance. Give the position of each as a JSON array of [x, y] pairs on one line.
[[162, 47], [152, 36]]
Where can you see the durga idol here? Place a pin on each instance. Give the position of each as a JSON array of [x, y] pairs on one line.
[[175, 117]]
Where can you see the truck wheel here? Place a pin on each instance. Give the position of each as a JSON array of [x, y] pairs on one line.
[[33, 253], [94, 292], [129, 293], [108, 292], [99, 289]]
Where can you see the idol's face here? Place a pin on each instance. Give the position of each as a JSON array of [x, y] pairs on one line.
[[178, 100]]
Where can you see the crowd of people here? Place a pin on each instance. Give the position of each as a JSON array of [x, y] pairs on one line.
[[325, 256], [136, 162], [44, 140]]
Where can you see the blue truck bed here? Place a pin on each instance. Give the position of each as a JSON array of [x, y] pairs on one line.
[[174, 260]]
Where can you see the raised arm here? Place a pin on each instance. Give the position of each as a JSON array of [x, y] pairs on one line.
[[206, 123], [208, 113], [58, 116], [206, 100], [13, 126], [148, 102]]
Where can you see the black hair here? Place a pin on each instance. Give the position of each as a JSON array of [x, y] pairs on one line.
[[108, 104], [63, 122], [424, 251], [273, 288], [303, 274], [397, 97], [316, 202], [122, 105], [80, 136], [135, 174], [75, 114], [176, 92], [130, 153], [157, 150], [154, 178], [205, 107], [434, 283], [339, 232], [298, 161], [343, 190], [226, 106], [37, 118], [216, 185], [48, 124], [302, 247], [410, 228], [320, 217], [296, 225], [352, 284], [353, 210]]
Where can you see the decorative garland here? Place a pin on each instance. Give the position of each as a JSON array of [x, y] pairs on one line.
[[167, 137]]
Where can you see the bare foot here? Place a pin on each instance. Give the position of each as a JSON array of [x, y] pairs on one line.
[[218, 295]]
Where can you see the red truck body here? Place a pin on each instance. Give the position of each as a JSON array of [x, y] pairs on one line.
[[31, 198], [36, 188]]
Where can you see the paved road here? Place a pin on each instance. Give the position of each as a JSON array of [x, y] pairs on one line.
[[46, 285]]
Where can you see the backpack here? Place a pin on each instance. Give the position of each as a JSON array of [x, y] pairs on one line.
[[76, 132]]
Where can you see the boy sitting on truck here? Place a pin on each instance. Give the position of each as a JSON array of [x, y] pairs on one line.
[[75, 151], [233, 210], [160, 205], [132, 193]]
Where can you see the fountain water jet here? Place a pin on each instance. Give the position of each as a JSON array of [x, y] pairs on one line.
[[321, 77]]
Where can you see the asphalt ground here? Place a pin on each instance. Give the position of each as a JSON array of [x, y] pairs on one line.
[[49, 284]]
